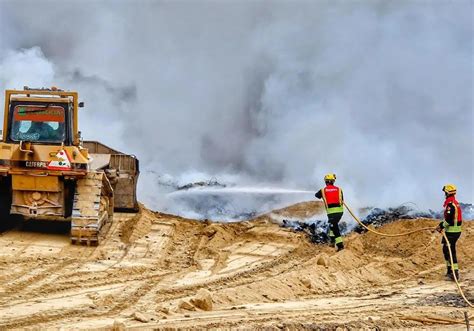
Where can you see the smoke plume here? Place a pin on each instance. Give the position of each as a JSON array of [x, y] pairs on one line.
[[263, 93]]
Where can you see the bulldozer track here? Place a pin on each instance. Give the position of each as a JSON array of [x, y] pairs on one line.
[[92, 209]]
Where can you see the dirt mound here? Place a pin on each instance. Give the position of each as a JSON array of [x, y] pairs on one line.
[[235, 275], [300, 210]]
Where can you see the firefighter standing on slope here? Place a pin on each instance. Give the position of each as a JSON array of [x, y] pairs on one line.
[[333, 201], [452, 225]]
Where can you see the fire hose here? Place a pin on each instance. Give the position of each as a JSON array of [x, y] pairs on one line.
[[411, 232]]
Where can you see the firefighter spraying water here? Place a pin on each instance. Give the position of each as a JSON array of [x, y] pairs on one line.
[[333, 201]]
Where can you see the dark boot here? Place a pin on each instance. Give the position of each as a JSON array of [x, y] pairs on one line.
[[448, 272], [456, 273], [340, 247], [451, 276]]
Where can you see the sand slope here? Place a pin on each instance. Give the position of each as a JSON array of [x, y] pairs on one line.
[[258, 274]]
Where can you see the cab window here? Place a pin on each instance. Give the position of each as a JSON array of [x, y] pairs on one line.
[[38, 123]]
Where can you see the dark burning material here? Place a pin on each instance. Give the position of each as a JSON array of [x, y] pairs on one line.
[[317, 230], [378, 217], [211, 183]]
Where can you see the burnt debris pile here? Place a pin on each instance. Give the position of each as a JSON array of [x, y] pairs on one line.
[[378, 217], [211, 183], [317, 230]]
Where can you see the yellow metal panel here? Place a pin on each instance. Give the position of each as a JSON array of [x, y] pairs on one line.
[[36, 183], [62, 94], [75, 124]]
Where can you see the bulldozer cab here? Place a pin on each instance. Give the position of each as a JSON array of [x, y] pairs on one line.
[[41, 116]]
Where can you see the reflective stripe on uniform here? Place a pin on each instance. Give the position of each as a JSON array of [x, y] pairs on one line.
[[338, 240], [452, 229], [455, 265], [334, 210]]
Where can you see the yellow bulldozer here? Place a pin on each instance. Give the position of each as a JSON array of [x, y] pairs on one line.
[[47, 171]]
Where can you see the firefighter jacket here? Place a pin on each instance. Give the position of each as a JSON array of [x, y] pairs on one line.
[[452, 216], [333, 199]]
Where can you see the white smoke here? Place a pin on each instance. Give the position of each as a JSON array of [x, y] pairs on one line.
[[28, 62], [264, 93]]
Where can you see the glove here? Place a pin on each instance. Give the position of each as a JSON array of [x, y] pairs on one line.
[[439, 229]]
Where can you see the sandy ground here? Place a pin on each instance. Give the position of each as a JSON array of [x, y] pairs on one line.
[[148, 272]]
